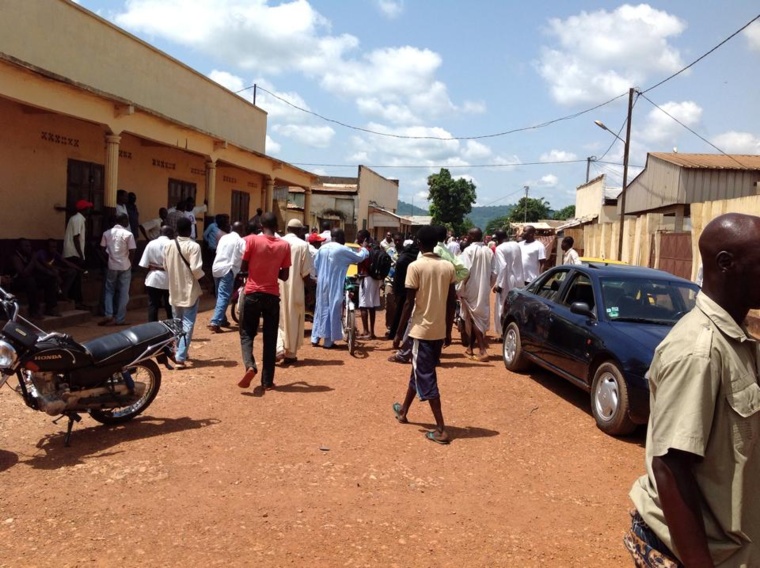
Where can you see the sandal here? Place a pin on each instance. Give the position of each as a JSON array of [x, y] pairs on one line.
[[434, 438], [397, 408]]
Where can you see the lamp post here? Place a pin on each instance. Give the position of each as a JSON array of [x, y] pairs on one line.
[[627, 147]]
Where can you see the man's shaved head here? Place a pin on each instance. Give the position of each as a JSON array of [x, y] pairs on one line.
[[475, 235], [731, 262]]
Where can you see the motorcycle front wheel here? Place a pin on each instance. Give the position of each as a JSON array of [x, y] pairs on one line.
[[143, 372]]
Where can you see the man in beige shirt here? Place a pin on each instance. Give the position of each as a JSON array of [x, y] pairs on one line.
[[184, 268], [430, 302], [699, 501]]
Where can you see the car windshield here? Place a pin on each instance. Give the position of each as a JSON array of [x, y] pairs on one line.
[[647, 300]]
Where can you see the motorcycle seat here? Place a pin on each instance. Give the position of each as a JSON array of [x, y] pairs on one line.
[[127, 344]]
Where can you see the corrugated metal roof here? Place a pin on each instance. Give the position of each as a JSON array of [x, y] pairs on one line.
[[711, 161]]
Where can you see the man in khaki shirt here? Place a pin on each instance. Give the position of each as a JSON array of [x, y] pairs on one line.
[[699, 501], [184, 267], [430, 293]]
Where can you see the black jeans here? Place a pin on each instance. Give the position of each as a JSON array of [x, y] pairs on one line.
[[32, 285], [156, 299], [73, 286], [258, 305]]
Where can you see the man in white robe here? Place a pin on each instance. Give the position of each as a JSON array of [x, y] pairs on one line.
[[292, 296], [332, 262], [509, 275], [475, 293]]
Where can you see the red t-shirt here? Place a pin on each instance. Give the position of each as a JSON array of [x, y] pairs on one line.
[[265, 256]]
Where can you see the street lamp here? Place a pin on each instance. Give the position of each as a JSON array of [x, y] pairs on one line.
[[627, 147]]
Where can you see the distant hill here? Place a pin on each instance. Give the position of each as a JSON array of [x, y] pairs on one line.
[[409, 209], [480, 216]]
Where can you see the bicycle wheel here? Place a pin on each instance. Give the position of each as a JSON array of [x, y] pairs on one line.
[[351, 331]]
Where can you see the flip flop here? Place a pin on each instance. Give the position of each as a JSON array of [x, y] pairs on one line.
[[245, 382], [397, 411], [432, 437]]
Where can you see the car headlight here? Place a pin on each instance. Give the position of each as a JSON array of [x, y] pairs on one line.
[[7, 355]]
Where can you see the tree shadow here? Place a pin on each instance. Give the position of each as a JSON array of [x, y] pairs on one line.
[[200, 363], [7, 460], [93, 440]]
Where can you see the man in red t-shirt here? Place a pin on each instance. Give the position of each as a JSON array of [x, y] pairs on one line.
[[267, 259]]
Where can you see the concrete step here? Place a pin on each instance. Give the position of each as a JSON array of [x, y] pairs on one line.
[[67, 318]]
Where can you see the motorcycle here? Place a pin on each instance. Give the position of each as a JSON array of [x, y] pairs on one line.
[[113, 378]]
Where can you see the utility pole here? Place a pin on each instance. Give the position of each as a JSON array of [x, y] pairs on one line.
[[525, 217], [254, 94], [588, 165], [625, 171]]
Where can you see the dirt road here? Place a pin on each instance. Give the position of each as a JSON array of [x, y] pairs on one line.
[[318, 472]]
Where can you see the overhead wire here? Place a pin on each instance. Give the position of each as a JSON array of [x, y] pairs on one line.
[[700, 58]]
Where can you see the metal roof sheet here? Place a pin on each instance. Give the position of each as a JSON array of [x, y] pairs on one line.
[[711, 161]]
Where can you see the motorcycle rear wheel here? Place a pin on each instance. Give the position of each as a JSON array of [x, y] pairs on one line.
[[146, 372]]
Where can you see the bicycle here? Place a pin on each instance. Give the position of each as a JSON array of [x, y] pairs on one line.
[[350, 298]]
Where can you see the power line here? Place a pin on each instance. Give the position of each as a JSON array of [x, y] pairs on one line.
[[406, 137], [705, 140], [454, 166], [737, 32]]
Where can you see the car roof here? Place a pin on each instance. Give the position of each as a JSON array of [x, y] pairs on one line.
[[625, 271]]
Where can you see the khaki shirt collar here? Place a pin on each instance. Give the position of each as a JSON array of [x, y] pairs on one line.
[[722, 320]]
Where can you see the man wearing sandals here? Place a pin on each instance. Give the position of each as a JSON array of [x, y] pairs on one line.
[[699, 502], [430, 302]]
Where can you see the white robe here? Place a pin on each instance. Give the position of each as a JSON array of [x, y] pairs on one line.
[[509, 275], [475, 290], [292, 301]]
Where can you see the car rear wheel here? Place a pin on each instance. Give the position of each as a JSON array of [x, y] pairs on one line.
[[511, 349], [609, 401]]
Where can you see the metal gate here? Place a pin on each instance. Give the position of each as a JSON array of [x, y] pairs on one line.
[[675, 254]]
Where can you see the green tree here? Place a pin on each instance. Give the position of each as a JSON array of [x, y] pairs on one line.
[[450, 200], [565, 213], [537, 209], [497, 223]]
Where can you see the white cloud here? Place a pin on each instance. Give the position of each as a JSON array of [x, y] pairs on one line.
[[660, 129], [601, 54], [316, 136], [277, 106], [391, 83], [228, 81], [733, 142], [752, 34], [272, 147], [549, 180], [474, 150], [422, 195], [557, 156], [391, 8]]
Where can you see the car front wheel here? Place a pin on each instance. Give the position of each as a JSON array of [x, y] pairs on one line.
[[511, 349], [609, 401]]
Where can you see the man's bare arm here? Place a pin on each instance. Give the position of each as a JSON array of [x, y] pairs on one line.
[[680, 499]]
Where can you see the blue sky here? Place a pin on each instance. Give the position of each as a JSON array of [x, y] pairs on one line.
[[443, 69]]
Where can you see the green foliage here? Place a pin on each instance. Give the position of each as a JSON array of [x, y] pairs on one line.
[[565, 213], [450, 200], [536, 209], [497, 223]]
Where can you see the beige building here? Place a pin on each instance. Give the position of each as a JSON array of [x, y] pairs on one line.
[[368, 201], [594, 201], [87, 109]]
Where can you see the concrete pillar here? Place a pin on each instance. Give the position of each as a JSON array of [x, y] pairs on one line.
[[680, 210], [111, 170], [269, 196], [307, 206], [211, 187]]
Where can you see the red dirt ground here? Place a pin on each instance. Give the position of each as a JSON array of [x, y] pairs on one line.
[[318, 472]]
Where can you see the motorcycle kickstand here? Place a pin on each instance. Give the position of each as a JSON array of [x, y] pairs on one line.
[[73, 417]]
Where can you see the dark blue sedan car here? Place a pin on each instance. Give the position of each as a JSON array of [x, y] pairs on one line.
[[597, 326]]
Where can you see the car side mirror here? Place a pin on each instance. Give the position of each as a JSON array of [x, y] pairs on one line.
[[582, 309]]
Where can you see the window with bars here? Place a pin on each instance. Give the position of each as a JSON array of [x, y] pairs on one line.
[[239, 211], [179, 191]]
